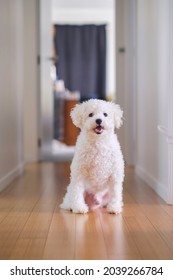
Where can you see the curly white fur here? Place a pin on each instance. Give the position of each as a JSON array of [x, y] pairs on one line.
[[97, 169]]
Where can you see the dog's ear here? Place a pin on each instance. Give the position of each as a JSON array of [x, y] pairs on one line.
[[77, 115], [118, 115]]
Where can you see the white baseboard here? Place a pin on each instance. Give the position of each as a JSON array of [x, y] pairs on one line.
[[10, 176], [158, 187]]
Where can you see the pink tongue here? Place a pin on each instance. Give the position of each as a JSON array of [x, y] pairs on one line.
[[98, 129]]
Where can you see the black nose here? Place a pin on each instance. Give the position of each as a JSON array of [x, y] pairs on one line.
[[98, 121]]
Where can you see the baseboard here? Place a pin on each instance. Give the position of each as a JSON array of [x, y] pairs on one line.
[[158, 187], [10, 176]]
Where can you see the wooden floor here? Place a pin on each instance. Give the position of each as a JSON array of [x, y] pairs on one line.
[[33, 227]]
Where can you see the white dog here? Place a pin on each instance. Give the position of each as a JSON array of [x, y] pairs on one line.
[[97, 169]]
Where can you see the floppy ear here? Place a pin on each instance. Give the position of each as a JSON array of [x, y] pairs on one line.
[[77, 115], [118, 115]]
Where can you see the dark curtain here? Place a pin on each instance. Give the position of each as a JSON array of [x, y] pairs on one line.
[[81, 51]]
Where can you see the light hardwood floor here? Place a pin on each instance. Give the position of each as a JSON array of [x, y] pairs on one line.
[[33, 227]]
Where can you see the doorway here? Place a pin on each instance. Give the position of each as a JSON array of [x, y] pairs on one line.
[[54, 110]]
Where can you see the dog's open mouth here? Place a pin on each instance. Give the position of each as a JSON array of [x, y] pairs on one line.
[[99, 129]]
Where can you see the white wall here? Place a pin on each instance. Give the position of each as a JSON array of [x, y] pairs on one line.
[[11, 90], [145, 88], [153, 91], [96, 12]]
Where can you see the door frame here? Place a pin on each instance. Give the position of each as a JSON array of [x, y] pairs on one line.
[[168, 131], [126, 71], [45, 101]]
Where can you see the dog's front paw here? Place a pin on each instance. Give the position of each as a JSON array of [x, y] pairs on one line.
[[114, 209], [80, 209], [65, 206]]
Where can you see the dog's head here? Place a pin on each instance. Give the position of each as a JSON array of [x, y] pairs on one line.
[[97, 116]]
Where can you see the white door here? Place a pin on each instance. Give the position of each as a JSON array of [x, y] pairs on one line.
[[46, 90]]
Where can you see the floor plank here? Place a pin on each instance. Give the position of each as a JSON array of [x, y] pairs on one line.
[[90, 243], [26, 249], [60, 242], [148, 241], [119, 243]]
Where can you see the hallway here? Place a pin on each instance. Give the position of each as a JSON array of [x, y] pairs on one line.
[[31, 224], [33, 227]]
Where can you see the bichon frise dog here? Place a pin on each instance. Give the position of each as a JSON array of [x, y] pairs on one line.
[[97, 169]]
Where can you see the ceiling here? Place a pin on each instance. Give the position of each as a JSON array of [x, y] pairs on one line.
[[82, 4]]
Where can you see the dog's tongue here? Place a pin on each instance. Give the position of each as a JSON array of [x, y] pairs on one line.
[[98, 129]]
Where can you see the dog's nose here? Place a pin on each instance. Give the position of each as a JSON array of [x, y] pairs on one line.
[[98, 121]]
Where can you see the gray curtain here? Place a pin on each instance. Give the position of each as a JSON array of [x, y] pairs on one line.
[[81, 63]]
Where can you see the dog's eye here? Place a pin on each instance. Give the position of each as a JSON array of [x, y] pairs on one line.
[[105, 114], [91, 115]]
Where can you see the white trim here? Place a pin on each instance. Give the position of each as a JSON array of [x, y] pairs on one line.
[[170, 112], [168, 132], [126, 64], [10, 176], [169, 138], [170, 173], [130, 92], [158, 187]]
